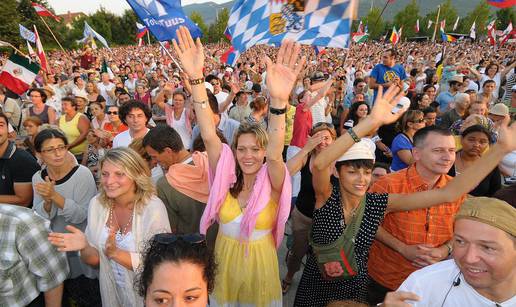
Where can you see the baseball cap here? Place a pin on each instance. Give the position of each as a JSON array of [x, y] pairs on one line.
[[457, 78], [490, 211], [499, 109]]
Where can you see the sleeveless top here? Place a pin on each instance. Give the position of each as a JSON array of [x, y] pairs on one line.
[[71, 131], [43, 116]]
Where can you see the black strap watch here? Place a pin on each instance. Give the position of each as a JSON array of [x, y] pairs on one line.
[[277, 111]]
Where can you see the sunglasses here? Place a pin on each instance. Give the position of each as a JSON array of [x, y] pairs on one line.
[[169, 238], [112, 112]]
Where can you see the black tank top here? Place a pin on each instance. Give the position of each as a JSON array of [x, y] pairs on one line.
[[305, 201], [43, 116]]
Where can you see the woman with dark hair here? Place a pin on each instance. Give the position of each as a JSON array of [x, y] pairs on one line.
[[249, 199], [492, 73], [46, 114], [475, 140], [358, 111], [431, 92], [420, 102], [177, 270], [402, 145], [62, 193], [178, 115], [346, 217], [321, 136], [75, 126], [99, 118]]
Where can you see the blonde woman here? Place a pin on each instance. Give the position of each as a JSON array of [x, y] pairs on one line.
[[121, 218], [249, 199]]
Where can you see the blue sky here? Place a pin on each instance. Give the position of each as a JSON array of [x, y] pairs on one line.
[[115, 6]]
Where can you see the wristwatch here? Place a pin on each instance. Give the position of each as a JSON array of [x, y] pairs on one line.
[[277, 111]]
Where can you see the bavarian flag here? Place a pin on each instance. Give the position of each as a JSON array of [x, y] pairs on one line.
[[18, 73]]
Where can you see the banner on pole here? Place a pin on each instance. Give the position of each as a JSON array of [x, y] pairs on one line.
[[163, 17]]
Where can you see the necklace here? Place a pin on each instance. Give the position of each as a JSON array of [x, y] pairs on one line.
[[121, 230]]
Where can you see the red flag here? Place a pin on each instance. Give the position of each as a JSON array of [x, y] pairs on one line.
[[507, 33], [491, 32], [40, 52], [417, 26], [502, 3], [395, 37], [43, 11]]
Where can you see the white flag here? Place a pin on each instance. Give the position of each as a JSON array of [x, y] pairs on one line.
[[30, 50], [456, 24], [4, 44], [429, 24], [472, 33]]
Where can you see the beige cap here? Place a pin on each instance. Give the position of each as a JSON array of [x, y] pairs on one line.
[[491, 211], [457, 78], [499, 109], [81, 95]]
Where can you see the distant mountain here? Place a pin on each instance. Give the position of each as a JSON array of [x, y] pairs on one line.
[[208, 10]]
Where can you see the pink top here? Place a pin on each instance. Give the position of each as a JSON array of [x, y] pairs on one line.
[[302, 126], [225, 177]]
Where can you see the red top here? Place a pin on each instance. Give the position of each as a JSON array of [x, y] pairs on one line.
[[302, 126]]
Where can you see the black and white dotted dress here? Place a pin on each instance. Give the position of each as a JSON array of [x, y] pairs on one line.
[[328, 225]]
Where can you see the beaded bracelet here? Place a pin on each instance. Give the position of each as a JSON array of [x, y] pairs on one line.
[[353, 135]]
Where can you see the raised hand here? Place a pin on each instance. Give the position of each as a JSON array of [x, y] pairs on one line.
[[68, 242], [190, 53], [507, 135], [381, 113], [282, 75]]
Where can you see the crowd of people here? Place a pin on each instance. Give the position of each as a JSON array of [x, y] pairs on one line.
[[127, 180]]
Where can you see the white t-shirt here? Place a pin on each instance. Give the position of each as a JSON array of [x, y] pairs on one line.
[[318, 110], [497, 79], [123, 139], [104, 89], [434, 284]]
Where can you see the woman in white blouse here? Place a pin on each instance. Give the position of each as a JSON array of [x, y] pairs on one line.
[[121, 218]]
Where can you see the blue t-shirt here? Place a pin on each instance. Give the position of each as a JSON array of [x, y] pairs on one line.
[[400, 142], [384, 74], [444, 99]]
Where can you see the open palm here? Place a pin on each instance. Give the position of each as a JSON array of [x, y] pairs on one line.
[[282, 75], [190, 53], [381, 112]]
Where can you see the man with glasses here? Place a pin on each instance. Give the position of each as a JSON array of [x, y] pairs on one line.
[[16, 170], [446, 97]]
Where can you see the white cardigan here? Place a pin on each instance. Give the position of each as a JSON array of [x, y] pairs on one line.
[[153, 219]]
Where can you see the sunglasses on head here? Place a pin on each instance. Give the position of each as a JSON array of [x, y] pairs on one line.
[[169, 238]]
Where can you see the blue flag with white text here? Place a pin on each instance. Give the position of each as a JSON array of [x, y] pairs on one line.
[[163, 17]]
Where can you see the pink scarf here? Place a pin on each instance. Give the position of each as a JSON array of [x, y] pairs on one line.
[[225, 177]]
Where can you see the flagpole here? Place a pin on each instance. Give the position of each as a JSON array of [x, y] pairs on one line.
[[383, 10], [436, 22], [52, 33], [17, 50], [170, 55], [148, 37]]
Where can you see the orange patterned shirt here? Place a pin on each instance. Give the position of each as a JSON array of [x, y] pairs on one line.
[[432, 226]]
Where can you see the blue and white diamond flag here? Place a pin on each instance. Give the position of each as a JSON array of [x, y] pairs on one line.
[[324, 23], [27, 34]]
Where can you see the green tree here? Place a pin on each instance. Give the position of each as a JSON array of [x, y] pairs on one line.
[[127, 26], [407, 18], [479, 15], [374, 22], [504, 17], [9, 26], [448, 13], [199, 21], [216, 30]]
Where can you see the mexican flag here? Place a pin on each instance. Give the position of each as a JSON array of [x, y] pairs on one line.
[[360, 37], [18, 73]]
